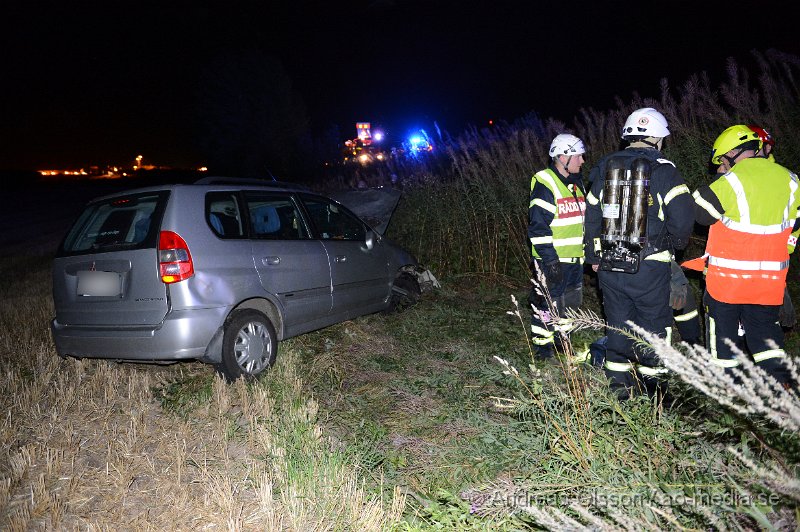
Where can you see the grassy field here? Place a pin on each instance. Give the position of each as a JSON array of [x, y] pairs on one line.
[[435, 418], [399, 422], [102, 446]]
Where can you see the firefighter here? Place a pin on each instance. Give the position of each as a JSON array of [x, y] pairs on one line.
[[767, 142], [638, 213], [787, 315], [555, 229], [752, 210]]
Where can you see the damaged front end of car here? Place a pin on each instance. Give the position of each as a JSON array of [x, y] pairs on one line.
[[376, 206]]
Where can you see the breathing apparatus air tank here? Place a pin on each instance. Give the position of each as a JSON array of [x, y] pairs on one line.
[[640, 189], [612, 199], [625, 202]]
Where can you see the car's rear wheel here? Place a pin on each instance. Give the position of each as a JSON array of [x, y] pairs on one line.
[[405, 293], [249, 345]]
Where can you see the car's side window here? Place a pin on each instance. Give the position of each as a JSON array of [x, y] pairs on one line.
[[224, 215], [332, 221], [274, 216]]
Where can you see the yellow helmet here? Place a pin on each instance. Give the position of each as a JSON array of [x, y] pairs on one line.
[[732, 138]]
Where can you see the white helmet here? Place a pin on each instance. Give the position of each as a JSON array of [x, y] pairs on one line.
[[566, 144], [646, 122]]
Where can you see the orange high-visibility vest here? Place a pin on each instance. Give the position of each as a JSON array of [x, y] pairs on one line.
[[747, 262], [746, 268]]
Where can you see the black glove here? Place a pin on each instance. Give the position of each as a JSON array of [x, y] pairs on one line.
[[678, 287], [678, 295], [553, 273], [786, 316]]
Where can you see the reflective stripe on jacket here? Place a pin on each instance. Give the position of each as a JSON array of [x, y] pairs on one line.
[[746, 253], [567, 209]]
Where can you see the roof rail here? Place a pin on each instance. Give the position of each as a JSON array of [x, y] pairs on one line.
[[219, 180]]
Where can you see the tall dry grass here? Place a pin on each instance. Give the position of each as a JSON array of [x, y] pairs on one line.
[[87, 445], [638, 466]]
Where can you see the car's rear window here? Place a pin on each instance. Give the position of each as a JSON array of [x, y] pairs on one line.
[[129, 222]]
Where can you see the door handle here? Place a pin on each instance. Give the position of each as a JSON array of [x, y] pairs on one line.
[[340, 258], [271, 261]]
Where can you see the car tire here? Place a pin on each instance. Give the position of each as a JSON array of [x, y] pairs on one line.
[[405, 293], [249, 345]]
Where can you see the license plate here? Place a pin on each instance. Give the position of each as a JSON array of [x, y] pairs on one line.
[[99, 284]]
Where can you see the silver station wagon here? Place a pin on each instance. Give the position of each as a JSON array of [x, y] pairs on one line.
[[219, 271]]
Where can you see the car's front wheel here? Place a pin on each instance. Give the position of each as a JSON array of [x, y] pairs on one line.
[[249, 345]]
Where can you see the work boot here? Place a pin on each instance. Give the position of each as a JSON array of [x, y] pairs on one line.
[[545, 353], [581, 357]]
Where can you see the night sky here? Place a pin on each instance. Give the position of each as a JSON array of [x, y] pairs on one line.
[[86, 83]]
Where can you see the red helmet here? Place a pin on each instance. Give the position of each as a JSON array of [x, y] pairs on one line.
[[763, 135]]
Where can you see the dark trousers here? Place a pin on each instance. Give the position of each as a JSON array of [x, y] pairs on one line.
[[566, 294], [687, 320], [641, 298], [760, 324]]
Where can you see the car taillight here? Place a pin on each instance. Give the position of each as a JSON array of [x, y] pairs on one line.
[[174, 259]]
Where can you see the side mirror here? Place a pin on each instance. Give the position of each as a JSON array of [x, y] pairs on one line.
[[371, 239]]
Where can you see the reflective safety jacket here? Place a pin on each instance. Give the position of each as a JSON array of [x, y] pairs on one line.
[[747, 253], [555, 217]]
